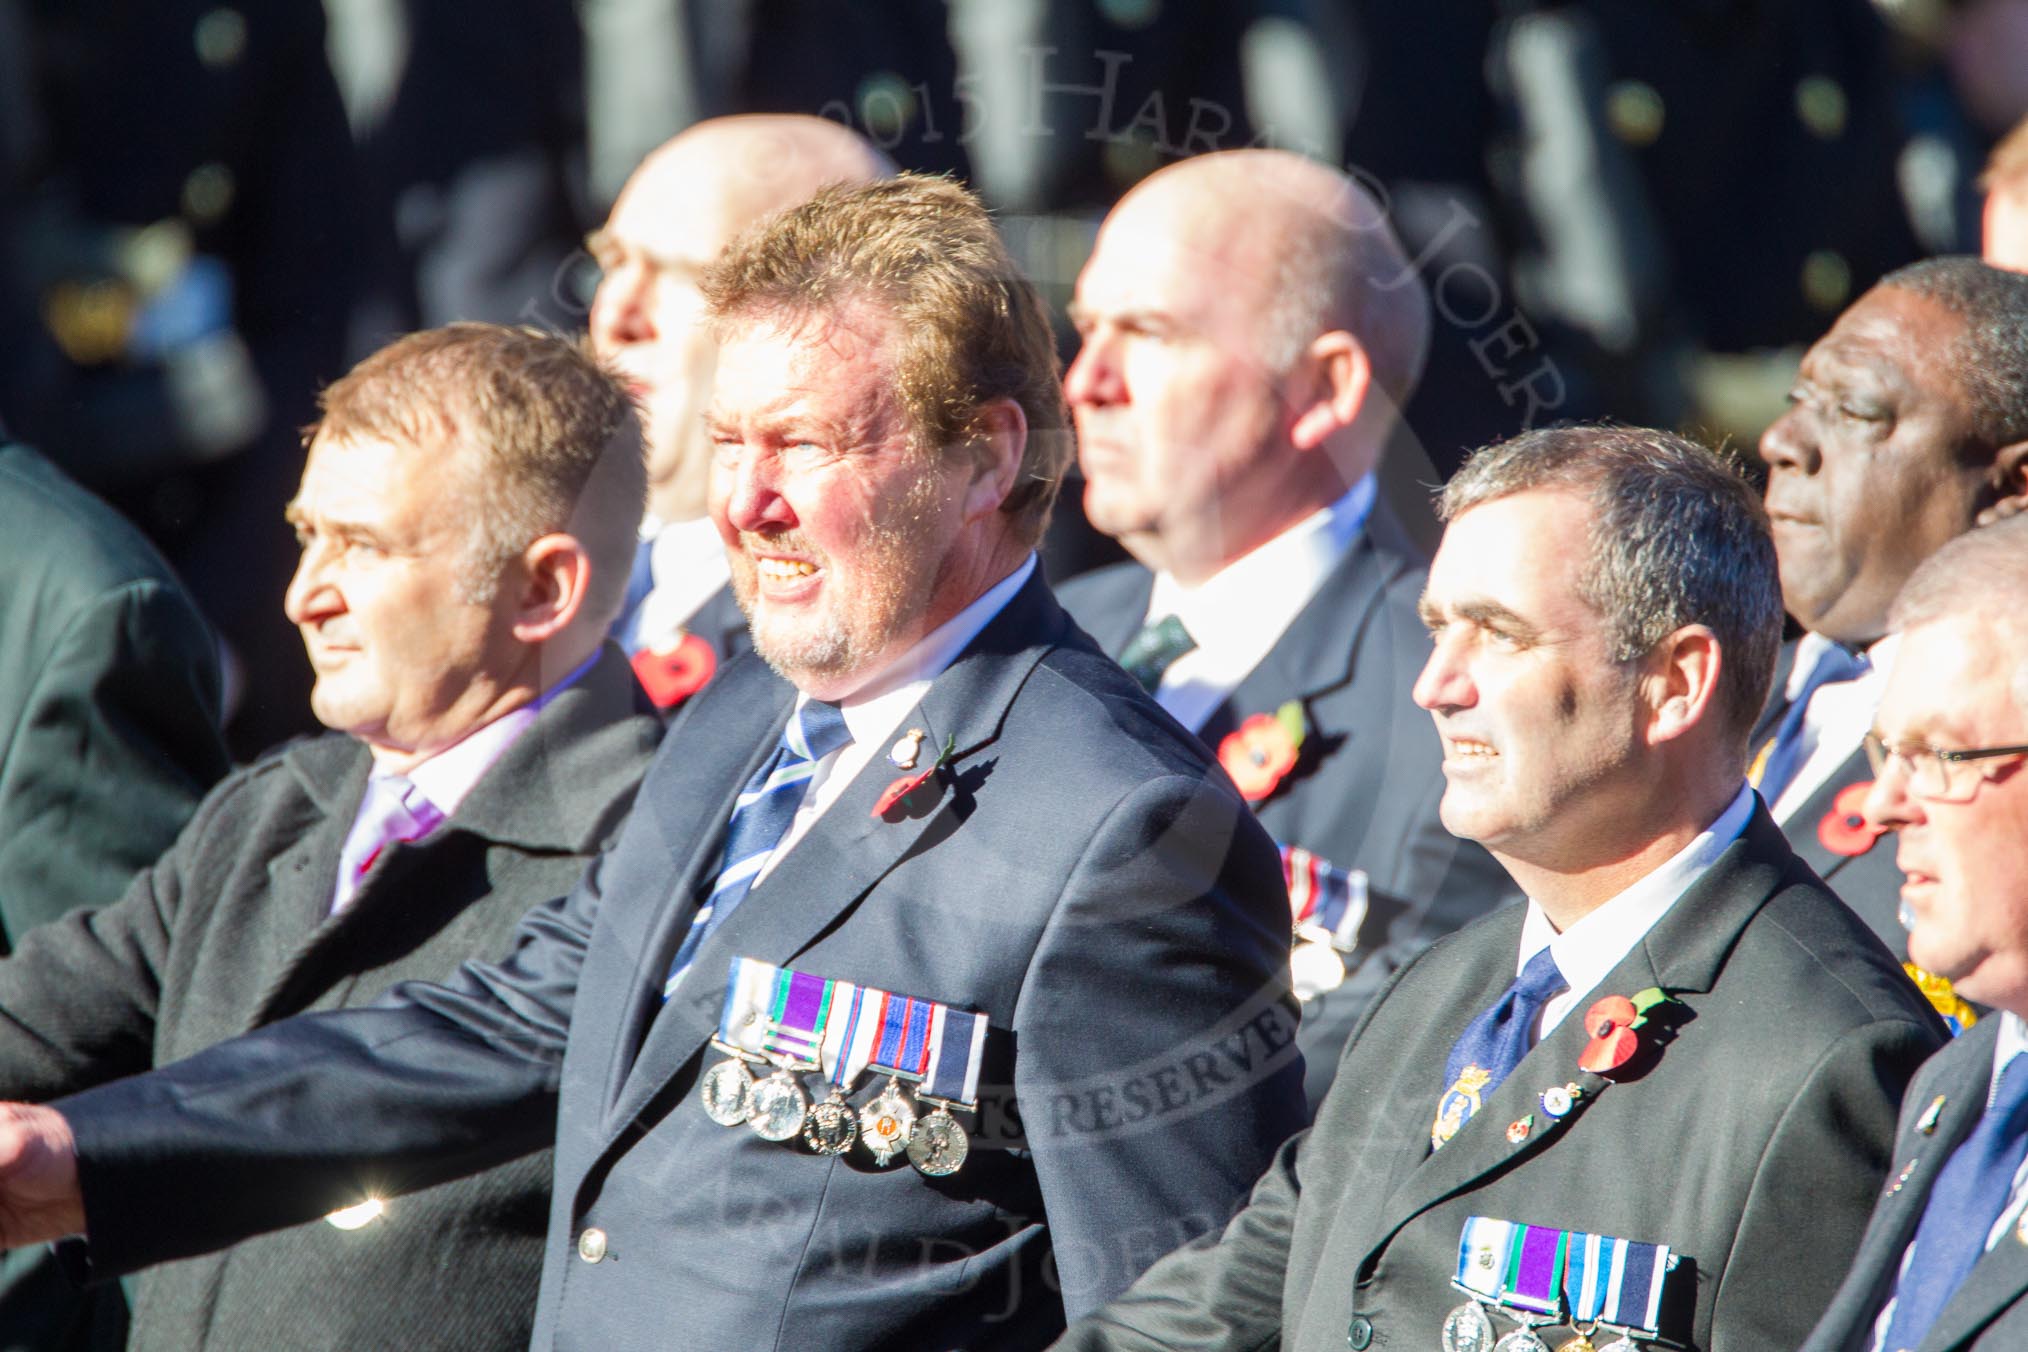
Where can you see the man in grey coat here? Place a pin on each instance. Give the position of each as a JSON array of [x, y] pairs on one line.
[[1944, 1265], [465, 517], [1658, 1097]]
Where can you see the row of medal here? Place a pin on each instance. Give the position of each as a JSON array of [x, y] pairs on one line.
[[1329, 905], [1541, 1277], [796, 1023]]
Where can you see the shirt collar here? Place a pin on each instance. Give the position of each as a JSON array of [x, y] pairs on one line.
[[448, 776], [1249, 602], [880, 703], [1592, 947], [2013, 1039]]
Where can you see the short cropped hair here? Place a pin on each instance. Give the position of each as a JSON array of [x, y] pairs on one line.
[[1982, 575], [1988, 361], [1350, 274], [550, 442], [973, 329], [1677, 537]]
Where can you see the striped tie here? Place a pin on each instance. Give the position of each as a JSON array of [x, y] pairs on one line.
[[760, 818]]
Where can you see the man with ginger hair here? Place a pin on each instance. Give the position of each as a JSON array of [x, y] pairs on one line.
[[937, 983], [1251, 330], [682, 206], [465, 519]]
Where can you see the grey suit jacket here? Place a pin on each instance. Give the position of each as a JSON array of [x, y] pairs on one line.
[[1365, 792], [1989, 1313], [1084, 878], [231, 930], [1751, 1140]]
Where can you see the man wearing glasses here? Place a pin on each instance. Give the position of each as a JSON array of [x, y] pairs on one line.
[[1944, 1264], [1908, 425]]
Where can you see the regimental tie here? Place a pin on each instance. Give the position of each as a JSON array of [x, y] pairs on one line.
[[1971, 1191], [761, 816], [1492, 1044], [394, 810], [1155, 649], [1781, 757]]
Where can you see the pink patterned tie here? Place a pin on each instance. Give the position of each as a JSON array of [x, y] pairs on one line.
[[395, 809]]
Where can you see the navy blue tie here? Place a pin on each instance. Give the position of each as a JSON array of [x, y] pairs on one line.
[[1784, 749], [761, 816], [1969, 1195], [1494, 1043]]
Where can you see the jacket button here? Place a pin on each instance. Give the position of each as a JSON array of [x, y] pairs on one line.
[[591, 1246], [1359, 1334]]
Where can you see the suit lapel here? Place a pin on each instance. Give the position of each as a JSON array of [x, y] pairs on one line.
[[330, 775], [1316, 652], [1115, 623], [1682, 954], [848, 850], [1803, 823]]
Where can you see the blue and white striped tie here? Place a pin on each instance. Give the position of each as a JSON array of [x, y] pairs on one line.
[[760, 818]]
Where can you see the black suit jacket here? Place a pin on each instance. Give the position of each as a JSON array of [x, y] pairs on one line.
[[1989, 1313], [1085, 879], [232, 930], [1365, 792], [1867, 880], [1752, 1142]]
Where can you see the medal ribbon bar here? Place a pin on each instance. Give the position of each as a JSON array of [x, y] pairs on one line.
[[958, 1046]]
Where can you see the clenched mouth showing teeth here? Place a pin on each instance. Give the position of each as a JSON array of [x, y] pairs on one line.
[[1471, 749], [781, 570]]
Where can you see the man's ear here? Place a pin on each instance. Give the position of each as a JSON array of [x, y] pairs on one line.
[[1336, 378], [1681, 682], [2010, 479], [999, 439], [554, 576]]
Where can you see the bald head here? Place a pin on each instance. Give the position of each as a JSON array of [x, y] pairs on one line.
[[1252, 327], [689, 199]]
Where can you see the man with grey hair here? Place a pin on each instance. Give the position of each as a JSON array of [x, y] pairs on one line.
[[1941, 1265], [465, 518], [1907, 426], [1251, 329], [1657, 1098], [689, 199]]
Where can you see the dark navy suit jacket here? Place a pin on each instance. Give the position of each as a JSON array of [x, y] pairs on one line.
[[1085, 878], [1364, 793]]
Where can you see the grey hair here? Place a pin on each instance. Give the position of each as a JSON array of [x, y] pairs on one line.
[[1981, 574], [1677, 537]]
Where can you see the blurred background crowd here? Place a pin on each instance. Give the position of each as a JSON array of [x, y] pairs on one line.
[[1639, 210]]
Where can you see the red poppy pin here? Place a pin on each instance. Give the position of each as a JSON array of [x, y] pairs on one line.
[[1259, 754], [898, 794], [675, 671], [1844, 829], [1613, 1024]]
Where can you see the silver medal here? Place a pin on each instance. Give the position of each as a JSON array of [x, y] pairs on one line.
[[777, 1107], [1521, 1340], [1621, 1344], [1467, 1329], [885, 1122], [938, 1145], [1315, 968], [727, 1092], [832, 1126]]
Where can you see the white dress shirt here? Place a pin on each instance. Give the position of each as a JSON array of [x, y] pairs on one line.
[[873, 713], [688, 565], [1837, 720], [2013, 1040], [1592, 947], [1240, 612]]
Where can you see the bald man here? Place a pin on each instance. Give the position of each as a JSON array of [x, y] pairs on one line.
[[1251, 331], [685, 203]]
